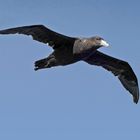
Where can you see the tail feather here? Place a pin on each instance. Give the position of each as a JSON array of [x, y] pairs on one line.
[[40, 64], [46, 63]]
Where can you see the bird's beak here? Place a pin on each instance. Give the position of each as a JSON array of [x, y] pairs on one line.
[[104, 43]]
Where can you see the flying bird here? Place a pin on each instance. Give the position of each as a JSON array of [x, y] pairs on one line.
[[68, 50]]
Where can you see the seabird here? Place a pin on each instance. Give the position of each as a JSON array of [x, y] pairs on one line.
[[68, 50]]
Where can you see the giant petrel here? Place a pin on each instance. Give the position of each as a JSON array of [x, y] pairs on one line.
[[68, 50]]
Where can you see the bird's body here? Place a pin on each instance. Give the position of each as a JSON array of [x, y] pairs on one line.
[[79, 50], [68, 50]]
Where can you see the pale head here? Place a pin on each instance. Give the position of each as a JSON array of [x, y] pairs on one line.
[[98, 41]]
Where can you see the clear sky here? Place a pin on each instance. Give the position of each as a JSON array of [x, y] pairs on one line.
[[76, 102]]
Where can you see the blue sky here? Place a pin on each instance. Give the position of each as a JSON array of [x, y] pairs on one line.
[[78, 101]]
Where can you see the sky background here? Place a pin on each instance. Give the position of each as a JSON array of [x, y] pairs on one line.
[[75, 102]]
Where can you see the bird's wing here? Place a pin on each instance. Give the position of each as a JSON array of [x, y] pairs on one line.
[[119, 68], [42, 34]]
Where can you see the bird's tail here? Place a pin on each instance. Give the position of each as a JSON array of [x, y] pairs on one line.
[[41, 64], [45, 63]]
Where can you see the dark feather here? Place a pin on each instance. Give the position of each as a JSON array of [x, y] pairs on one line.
[[119, 68], [42, 34]]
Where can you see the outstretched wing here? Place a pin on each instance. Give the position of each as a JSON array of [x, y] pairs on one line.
[[119, 68], [42, 34]]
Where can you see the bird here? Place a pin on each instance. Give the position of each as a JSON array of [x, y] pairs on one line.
[[68, 50]]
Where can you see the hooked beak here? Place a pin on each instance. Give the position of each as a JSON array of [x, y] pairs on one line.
[[104, 43]]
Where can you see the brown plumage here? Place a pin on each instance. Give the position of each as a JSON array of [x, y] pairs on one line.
[[68, 50]]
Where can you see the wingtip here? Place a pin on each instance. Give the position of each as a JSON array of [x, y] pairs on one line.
[[135, 101], [136, 97]]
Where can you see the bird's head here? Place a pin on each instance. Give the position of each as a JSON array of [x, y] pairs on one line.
[[99, 42]]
